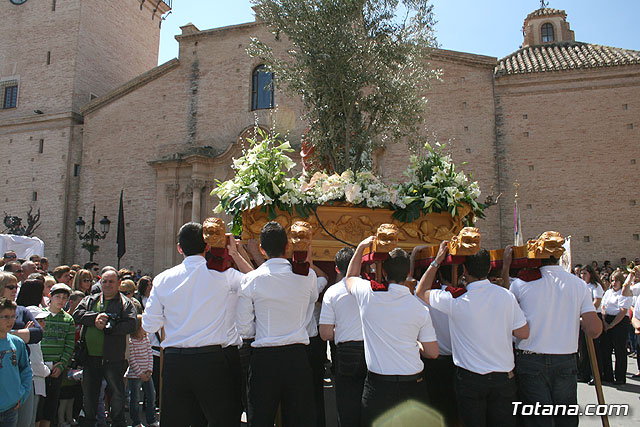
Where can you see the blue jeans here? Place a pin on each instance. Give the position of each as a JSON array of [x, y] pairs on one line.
[[135, 408], [550, 379], [9, 418]]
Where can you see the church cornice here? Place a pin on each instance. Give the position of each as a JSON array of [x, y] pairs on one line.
[[464, 58], [44, 118], [130, 86]]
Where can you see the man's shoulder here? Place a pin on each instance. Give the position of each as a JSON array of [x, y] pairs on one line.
[[168, 274], [336, 290]]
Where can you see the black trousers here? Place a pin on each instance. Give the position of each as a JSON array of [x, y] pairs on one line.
[[486, 400], [439, 375], [350, 371], [245, 359], [195, 384], [317, 356], [381, 393], [584, 363], [615, 340], [281, 376]]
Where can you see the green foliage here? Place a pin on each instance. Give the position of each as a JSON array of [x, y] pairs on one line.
[[358, 65]]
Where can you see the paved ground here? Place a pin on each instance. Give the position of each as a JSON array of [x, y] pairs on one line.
[[628, 393]]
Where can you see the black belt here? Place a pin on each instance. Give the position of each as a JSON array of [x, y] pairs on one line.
[[518, 351], [395, 378], [508, 375], [193, 350], [357, 344], [280, 348], [153, 347]]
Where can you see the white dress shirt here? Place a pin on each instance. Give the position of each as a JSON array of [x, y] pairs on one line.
[[614, 302], [190, 300], [315, 307], [393, 322], [278, 301], [481, 322], [440, 322], [340, 308], [553, 305], [231, 310]]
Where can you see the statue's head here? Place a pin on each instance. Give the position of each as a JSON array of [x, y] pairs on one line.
[[467, 242], [301, 235], [386, 238], [213, 231], [549, 244]]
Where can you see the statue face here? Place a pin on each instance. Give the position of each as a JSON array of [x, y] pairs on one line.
[[386, 238], [213, 231], [550, 244], [467, 242], [301, 234]]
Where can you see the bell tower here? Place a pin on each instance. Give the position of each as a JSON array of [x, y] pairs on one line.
[[546, 26]]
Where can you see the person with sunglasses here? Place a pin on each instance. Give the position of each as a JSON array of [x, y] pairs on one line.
[[82, 281], [7, 257]]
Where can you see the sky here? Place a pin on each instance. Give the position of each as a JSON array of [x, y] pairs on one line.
[[489, 27]]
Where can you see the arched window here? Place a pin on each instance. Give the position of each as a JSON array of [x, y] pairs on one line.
[[547, 33], [261, 89]]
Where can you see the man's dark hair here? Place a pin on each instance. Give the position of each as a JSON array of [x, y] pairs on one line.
[[478, 265], [12, 266], [343, 257], [549, 261], [30, 293], [7, 304], [143, 283], [273, 239], [190, 239], [88, 265], [59, 271], [445, 274], [397, 266]]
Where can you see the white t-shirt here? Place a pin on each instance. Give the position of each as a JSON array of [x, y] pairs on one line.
[[441, 324], [393, 322], [614, 302], [315, 307], [635, 289], [190, 301], [553, 305], [481, 322], [277, 301], [596, 290], [340, 308], [636, 308]]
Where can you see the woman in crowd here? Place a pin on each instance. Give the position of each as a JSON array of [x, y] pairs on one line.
[[615, 303], [49, 281], [591, 277], [144, 290], [82, 281]]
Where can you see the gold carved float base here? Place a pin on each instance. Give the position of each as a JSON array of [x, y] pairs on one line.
[[354, 224]]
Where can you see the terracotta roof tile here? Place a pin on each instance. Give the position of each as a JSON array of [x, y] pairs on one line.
[[564, 56]]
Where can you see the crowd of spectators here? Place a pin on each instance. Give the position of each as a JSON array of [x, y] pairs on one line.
[[90, 359]]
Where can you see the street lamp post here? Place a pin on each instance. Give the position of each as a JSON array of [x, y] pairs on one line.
[[92, 235]]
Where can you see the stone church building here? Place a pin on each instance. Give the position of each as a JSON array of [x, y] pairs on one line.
[[86, 113]]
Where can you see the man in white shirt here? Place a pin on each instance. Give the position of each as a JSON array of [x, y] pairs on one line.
[[278, 302], [482, 322], [396, 329], [317, 346], [439, 374], [546, 360], [190, 302], [340, 322]]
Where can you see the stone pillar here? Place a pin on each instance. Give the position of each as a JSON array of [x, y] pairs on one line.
[[197, 185]]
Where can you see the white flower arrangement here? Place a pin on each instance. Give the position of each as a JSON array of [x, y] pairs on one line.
[[263, 179]]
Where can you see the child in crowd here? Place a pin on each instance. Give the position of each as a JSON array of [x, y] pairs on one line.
[[15, 372], [40, 369], [139, 375], [57, 346]]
